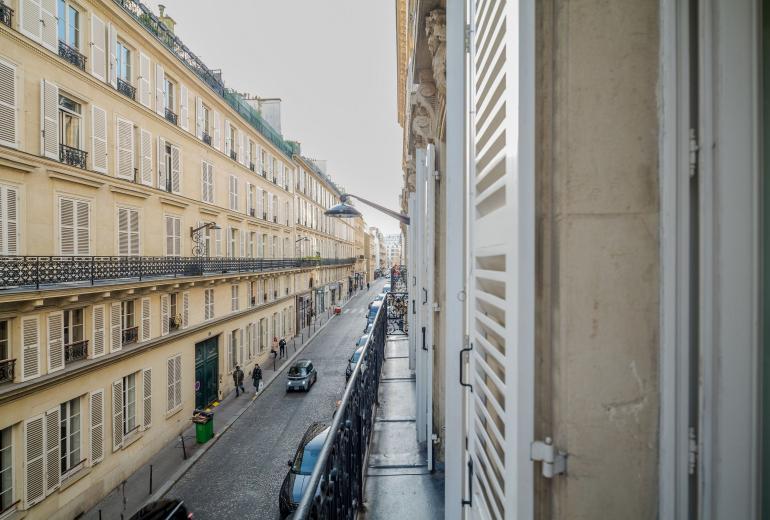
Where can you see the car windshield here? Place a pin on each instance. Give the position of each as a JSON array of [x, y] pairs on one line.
[[306, 459], [356, 355], [297, 371]]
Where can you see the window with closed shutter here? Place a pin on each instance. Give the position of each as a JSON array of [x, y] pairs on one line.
[[145, 157], [117, 415], [74, 227], [55, 323], [145, 94], [9, 220], [125, 156], [99, 139], [146, 321], [52, 450], [34, 459], [98, 48], [184, 109], [128, 232], [99, 325], [176, 169], [173, 236], [30, 347], [96, 409], [234, 297], [116, 327], [8, 104], [208, 304], [147, 398], [207, 182]]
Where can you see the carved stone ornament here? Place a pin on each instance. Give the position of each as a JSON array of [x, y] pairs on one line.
[[423, 110], [435, 29], [410, 175]]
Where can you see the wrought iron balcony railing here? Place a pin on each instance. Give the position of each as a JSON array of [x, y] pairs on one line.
[[206, 138], [72, 156], [7, 367], [75, 351], [264, 172], [253, 301], [47, 271], [6, 15], [72, 55], [252, 212], [253, 167], [127, 89], [264, 215], [130, 335], [233, 155], [171, 117]]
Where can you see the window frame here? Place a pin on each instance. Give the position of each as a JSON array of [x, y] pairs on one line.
[[65, 20], [62, 111], [66, 451], [126, 379]]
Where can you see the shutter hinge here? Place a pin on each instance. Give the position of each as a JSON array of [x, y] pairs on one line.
[[692, 450], [693, 153], [437, 175], [554, 461], [467, 41], [436, 307]]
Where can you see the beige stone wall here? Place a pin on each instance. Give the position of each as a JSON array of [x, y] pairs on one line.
[[597, 258]]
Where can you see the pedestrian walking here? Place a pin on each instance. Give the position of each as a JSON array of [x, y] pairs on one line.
[[367, 286], [256, 377], [282, 346], [238, 380], [274, 353], [275, 343]]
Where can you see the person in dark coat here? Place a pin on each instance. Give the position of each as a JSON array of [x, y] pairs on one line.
[[256, 377], [282, 346], [238, 380]]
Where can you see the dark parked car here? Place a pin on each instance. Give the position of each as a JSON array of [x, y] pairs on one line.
[[353, 360], [302, 375], [301, 467], [166, 509]]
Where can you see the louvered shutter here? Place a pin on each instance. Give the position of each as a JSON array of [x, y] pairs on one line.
[[184, 109], [164, 316], [49, 37], [30, 346], [177, 381], [133, 232], [116, 334], [249, 198], [177, 237], [145, 159], [217, 141], [30, 18], [145, 95], [260, 209], [82, 227], [99, 333], [160, 78], [52, 457], [147, 397], [146, 331], [240, 346], [55, 341], [241, 156], [502, 275], [228, 242], [49, 120], [8, 105], [206, 303], [211, 182], [242, 243], [96, 409], [231, 199], [185, 309], [229, 353], [176, 169], [34, 458], [170, 377], [113, 58], [123, 238], [235, 194], [228, 142], [246, 151], [125, 145], [99, 139], [98, 48], [162, 167], [199, 123], [117, 415], [218, 241], [9, 219]]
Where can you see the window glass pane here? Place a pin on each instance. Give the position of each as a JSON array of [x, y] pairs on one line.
[[61, 12], [73, 32], [4, 351]]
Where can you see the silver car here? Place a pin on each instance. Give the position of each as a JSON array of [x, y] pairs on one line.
[[302, 375]]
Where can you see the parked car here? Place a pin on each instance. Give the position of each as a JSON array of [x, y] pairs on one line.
[[302, 375], [379, 297], [368, 328], [165, 509], [386, 288], [362, 340], [352, 361], [372, 313], [301, 467]]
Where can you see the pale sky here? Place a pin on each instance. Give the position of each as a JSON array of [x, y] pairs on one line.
[[332, 63]]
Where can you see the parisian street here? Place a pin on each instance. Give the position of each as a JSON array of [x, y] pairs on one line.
[[241, 475]]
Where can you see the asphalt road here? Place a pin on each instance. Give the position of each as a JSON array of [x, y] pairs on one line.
[[241, 475]]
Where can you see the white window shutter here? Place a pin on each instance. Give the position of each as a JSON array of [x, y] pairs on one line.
[[235, 193], [125, 146], [184, 109], [162, 169], [113, 58], [164, 314], [228, 242], [116, 334], [241, 156], [218, 241], [260, 209], [242, 243], [30, 18], [96, 409], [211, 183], [82, 227], [240, 346], [145, 159], [170, 380], [147, 397], [177, 237], [176, 169], [123, 232], [52, 453], [117, 415], [185, 309], [30, 346], [55, 341], [98, 48], [49, 37], [199, 123], [49, 120], [145, 95], [99, 139], [160, 78], [34, 459], [178, 381], [246, 151], [228, 142], [99, 332], [133, 232], [217, 141], [146, 331], [9, 220], [8, 105]]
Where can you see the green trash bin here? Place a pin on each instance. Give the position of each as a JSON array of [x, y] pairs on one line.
[[204, 426]]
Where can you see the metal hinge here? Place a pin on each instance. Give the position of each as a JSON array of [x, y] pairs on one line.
[[437, 175], [436, 307], [467, 38], [554, 461], [692, 450], [693, 153]]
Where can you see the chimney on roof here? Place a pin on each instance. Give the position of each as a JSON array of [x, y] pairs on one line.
[[165, 19]]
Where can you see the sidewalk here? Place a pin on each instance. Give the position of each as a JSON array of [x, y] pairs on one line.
[[152, 480], [398, 483]]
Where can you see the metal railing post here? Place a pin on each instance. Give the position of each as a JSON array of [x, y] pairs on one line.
[[93, 261]]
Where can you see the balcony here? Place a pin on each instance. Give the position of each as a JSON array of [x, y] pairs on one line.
[[72, 55], [253, 301], [275, 295], [264, 215], [7, 367], [171, 117], [75, 351], [6, 17], [253, 212], [72, 156], [275, 219], [233, 155], [253, 167], [206, 138], [264, 172], [130, 335], [127, 89]]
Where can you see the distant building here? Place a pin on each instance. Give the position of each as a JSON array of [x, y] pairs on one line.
[[393, 249]]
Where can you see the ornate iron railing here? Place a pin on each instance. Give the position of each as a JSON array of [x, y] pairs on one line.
[[336, 486], [171, 117], [206, 138], [253, 167], [130, 335], [75, 351], [127, 89], [72, 55], [398, 313], [233, 155], [6, 15], [7, 367], [398, 279], [41, 271], [72, 156]]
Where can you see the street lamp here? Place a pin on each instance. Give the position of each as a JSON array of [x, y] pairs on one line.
[[196, 236], [301, 239], [344, 210]]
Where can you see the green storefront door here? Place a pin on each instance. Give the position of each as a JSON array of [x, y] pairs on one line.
[[206, 372]]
